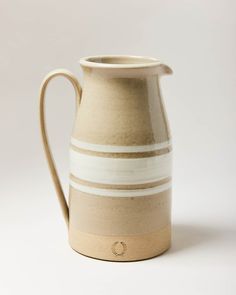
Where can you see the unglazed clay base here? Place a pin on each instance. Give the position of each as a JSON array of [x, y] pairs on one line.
[[121, 248]]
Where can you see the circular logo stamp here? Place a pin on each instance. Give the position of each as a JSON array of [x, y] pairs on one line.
[[118, 248]]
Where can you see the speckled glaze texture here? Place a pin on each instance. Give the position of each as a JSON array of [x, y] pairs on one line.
[[120, 159]]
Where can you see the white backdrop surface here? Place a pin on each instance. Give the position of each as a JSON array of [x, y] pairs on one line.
[[197, 39]]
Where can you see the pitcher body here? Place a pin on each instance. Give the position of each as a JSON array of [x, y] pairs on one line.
[[120, 161]]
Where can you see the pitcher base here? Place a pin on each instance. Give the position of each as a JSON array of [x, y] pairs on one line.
[[121, 248]]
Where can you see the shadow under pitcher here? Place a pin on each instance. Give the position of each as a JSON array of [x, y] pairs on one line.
[[120, 159]]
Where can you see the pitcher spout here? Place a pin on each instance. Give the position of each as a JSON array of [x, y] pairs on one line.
[[163, 69]]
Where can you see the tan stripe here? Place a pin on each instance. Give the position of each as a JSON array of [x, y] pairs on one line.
[[120, 186], [117, 215], [123, 155]]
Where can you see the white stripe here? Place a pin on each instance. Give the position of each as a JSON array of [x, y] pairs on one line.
[[120, 193], [119, 149], [120, 170]]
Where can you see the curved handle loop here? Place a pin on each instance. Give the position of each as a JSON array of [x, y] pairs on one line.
[[50, 160]]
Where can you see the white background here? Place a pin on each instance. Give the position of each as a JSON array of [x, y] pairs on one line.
[[197, 39]]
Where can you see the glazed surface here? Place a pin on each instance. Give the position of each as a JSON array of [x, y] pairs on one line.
[[120, 154]]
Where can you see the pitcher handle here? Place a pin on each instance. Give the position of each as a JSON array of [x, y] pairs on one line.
[[47, 149]]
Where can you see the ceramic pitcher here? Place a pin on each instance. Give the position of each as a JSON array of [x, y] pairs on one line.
[[119, 205]]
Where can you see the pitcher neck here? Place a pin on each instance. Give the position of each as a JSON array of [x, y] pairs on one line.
[[123, 66]]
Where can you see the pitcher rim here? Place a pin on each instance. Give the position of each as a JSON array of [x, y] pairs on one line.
[[98, 61]]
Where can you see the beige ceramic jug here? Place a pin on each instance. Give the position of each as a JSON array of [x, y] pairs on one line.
[[120, 155]]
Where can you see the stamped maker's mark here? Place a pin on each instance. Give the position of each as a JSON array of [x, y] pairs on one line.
[[119, 248]]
